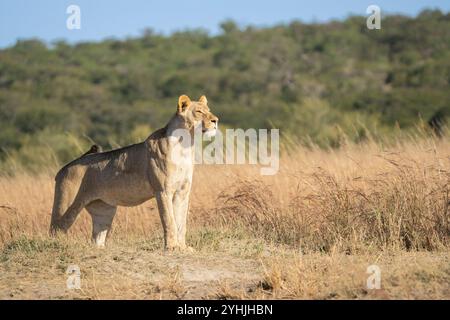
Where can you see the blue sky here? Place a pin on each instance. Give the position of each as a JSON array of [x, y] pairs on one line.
[[100, 19]]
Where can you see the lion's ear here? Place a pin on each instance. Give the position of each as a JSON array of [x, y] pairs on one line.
[[183, 103], [203, 100]]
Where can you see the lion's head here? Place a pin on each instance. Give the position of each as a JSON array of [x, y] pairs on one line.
[[196, 113]]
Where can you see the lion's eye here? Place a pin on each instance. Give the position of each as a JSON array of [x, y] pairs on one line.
[[198, 112]]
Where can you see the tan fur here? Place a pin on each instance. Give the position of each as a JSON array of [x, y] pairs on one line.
[[94, 149], [132, 175]]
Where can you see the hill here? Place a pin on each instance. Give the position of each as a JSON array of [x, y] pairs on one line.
[[316, 82]]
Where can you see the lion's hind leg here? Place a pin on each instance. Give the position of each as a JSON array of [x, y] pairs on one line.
[[102, 216]]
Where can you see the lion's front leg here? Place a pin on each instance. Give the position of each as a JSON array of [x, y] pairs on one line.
[[180, 209], [165, 208]]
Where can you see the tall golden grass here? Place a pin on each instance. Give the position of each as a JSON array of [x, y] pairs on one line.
[[350, 199]]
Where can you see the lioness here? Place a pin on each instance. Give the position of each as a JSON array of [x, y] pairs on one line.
[[134, 174]]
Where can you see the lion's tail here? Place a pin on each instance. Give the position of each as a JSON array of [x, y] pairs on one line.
[[60, 206], [65, 191]]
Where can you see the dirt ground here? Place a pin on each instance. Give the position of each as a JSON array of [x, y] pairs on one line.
[[36, 269], [134, 271]]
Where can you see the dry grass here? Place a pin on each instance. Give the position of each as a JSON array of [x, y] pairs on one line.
[[308, 232]]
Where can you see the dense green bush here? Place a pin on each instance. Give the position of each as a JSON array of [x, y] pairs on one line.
[[314, 81]]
